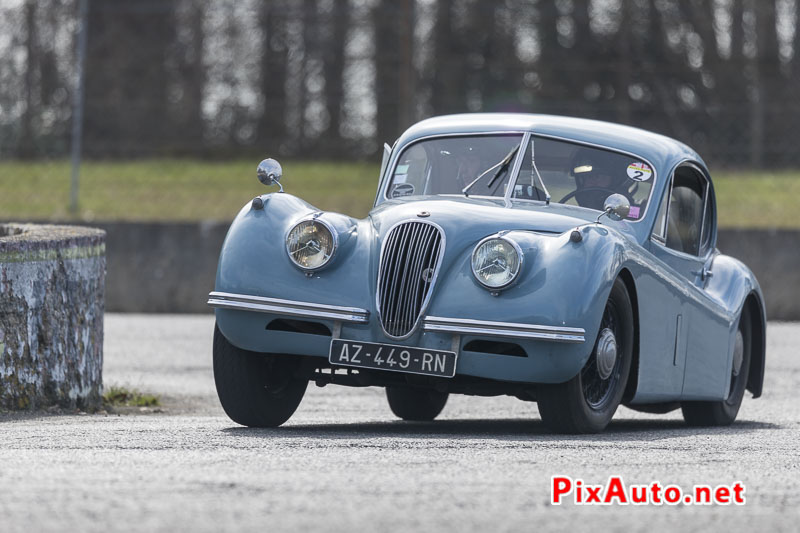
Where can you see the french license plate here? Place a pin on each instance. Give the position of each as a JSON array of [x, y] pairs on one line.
[[395, 358]]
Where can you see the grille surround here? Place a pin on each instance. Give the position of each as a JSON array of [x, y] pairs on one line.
[[409, 248]]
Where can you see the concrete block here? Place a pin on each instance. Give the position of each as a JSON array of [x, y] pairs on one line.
[[52, 283]]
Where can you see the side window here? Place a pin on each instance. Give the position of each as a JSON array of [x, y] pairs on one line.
[[684, 228]]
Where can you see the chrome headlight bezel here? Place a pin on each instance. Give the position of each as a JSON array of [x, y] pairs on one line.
[[520, 261], [334, 239]]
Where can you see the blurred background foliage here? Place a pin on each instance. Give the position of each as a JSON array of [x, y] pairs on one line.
[[183, 97]]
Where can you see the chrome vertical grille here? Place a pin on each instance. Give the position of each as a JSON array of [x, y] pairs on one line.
[[409, 263]]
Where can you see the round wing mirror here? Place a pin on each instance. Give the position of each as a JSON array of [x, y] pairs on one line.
[[270, 172], [617, 206]]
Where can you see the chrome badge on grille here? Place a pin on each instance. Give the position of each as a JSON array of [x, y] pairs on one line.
[[410, 259]]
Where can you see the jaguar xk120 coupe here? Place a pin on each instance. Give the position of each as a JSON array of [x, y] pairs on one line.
[[564, 261]]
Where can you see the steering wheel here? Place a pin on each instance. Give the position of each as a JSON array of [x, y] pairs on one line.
[[576, 191]]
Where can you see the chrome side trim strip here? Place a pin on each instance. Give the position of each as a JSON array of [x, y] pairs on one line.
[[463, 326], [261, 304]]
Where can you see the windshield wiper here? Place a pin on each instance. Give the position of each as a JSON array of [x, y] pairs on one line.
[[500, 166]]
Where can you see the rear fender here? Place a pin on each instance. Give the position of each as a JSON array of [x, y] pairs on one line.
[[735, 287]]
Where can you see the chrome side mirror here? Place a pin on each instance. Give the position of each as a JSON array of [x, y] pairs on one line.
[[616, 207], [269, 173]]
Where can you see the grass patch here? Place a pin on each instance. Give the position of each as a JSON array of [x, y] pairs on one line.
[[175, 190], [116, 396], [191, 190], [758, 199]]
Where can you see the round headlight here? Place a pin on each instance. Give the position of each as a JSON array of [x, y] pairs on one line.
[[496, 262], [311, 244]]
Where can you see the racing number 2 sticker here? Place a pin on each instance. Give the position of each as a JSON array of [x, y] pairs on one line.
[[639, 171]]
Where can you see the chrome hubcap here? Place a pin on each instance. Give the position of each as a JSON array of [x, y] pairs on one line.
[[738, 353], [606, 355]]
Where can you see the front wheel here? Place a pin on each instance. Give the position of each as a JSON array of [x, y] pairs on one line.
[[587, 402], [724, 413], [256, 390], [415, 404]]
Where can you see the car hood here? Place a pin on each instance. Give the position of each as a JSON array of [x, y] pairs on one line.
[[478, 217]]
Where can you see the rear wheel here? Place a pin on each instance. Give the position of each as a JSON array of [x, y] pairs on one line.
[[587, 402], [724, 413], [416, 404], [257, 390]]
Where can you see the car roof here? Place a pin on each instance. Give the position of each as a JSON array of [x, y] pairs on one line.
[[661, 151]]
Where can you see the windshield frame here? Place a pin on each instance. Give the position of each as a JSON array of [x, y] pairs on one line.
[[527, 135]]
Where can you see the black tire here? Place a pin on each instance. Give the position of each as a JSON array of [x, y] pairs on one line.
[[724, 413], [256, 390], [419, 405], [587, 402]]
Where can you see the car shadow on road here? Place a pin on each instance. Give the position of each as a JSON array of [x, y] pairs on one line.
[[498, 429]]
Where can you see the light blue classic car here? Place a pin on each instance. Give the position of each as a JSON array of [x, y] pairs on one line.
[[564, 261]]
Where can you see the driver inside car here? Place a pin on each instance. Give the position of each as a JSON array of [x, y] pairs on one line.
[[594, 183]]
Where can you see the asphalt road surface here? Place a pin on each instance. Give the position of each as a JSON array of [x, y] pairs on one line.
[[343, 463]]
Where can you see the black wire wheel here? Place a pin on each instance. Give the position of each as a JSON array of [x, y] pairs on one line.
[[600, 376], [587, 402], [255, 389], [723, 413]]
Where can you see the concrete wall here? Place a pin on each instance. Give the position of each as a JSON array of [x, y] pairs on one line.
[[774, 257], [51, 316], [161, 268], [171, 267]]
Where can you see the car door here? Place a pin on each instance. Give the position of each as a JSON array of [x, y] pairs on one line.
[[683, 241], [662, 317]]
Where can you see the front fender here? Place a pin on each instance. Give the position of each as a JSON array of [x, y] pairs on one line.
[[254, 261], [562, 283]]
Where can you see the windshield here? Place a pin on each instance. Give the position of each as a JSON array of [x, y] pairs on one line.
[[582, 175], [448, 165], [571, 173]]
